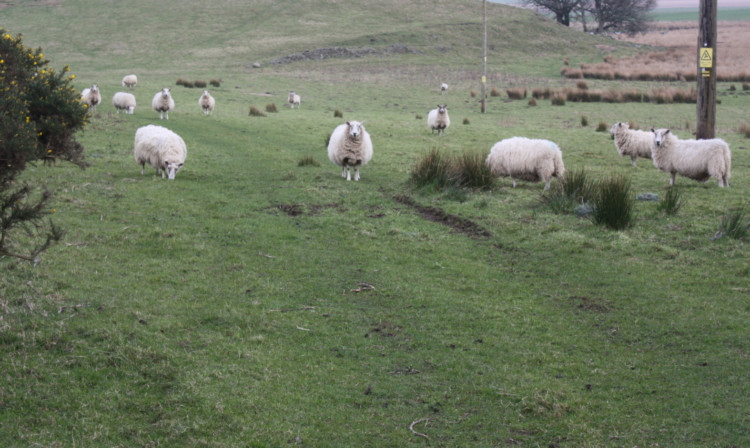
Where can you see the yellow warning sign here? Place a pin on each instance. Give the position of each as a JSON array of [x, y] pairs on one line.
[[706, 57]]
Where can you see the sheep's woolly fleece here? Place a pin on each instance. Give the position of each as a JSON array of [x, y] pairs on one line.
[[631, 142], [695, 159], [350, 146], [164, 150], [532, 160]]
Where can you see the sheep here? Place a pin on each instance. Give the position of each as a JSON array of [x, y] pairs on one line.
[[163, 103], [161, 148], [294, 99], [633, 143], [527, 159], [696, 159], [206, 102], [350, 146], [124, 101], [129, 81], [443, 88], [439, 119], [91, 96]]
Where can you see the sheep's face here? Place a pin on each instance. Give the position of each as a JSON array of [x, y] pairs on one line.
[[171, 169], [659, 136], [291, 97], [442, 108], [94, 88], [165, 93], [205, 93], [355, 129]]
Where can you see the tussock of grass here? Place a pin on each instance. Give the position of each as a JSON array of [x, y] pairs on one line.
[[578, 188], [466, 121], [433, 169], [518, 93], [338, 114], [532, 102], [308, 161], [602, 127], [745, 130], [613, 203], [271, 108], [494, 91], [734, 225], [255, 112], [584, 121], [472, 172], [200, 83], [558, 100], [672, 201], [215, 82]]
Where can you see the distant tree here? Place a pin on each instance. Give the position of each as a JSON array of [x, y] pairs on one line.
[[627, 16], [40, 112], [562, 9]]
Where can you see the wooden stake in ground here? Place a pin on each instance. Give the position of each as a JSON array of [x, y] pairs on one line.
[[706, 124]]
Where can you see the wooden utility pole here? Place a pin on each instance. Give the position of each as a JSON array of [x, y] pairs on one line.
[[706, 125], [484, 56]]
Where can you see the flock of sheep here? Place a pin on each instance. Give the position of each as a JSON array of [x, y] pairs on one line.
[[350, 145]]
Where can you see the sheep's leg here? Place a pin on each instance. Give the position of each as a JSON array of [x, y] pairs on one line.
[[671, 178], [348, 173], [546, 185], [343, 171], [356, 173], [632, 160], [514, 182], [166, 115], [143, 168]]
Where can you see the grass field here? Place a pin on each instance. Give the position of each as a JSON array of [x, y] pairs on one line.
[[255, 302]]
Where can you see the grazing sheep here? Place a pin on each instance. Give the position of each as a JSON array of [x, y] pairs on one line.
[[129, 81], [294, 99], [350, 146], [532, 160], [161, 148], [633, 143], [695, 159], [443, 88], [439, 119], [91, 97], [163, 103], [124, 101], [207, 102]]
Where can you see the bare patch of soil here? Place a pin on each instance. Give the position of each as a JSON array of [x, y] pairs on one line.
[[457, 223]]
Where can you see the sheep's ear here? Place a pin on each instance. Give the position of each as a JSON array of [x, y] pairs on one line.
[[348, 124], [652, 130], [667, 132]]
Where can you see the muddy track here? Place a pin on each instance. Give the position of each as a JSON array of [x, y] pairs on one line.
[[457, 223]]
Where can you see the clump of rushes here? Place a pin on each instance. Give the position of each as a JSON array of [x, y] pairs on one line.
[[255, 112], [532, 102], [516, 94], [466, 121], [215, 82], [602, 127], [433, 169], [180, 81], [473, 93], [338, 114], [672, 201], [200, 84], [734, 225], [583, 85], [558, 99], [584, 121], [188, 84], [308, 161], [271, 108], [472, 172], [494, 92], [578, 189], [745, 129], [613, 203]]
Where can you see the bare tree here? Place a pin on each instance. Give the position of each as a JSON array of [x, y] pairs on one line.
[[562, 9], [628, 16]]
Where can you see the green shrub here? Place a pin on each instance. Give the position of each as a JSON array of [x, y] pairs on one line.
[[734, 225], [271, 108], [471, 172], [433, 169], [672, 201], [308, 161], [255, 112], [613, 203]]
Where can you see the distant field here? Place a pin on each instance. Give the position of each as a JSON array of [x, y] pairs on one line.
[[680, 14]]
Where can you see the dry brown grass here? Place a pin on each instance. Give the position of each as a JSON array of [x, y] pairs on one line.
[[675, 55]]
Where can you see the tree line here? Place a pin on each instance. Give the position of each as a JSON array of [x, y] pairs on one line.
[[627, 16]]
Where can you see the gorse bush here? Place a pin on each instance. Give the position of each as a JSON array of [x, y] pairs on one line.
[[613, 203], [40, 112], [672, 201]]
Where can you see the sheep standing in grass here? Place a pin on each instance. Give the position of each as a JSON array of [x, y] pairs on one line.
[[696, 159], [129, 81], [124, 101], [633, 143], [91, 97], [350, 147], [443, 88], [207, 102], [439, 119], [163, 103], [294, 99], [161, 148], [532, 160]]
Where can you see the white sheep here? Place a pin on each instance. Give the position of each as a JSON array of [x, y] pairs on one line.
[[91, 97], [124, 101], [161, 148], [532, 160], [163, 103], [350, 146], [294, 99], [443, 88], [439, 119], [695, 159], [631, 142], [129, 81], [207, 102]]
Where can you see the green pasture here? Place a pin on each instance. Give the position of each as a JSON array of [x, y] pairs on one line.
[[253, 302]]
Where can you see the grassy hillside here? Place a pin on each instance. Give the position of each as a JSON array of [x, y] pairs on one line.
[[257, 302]]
